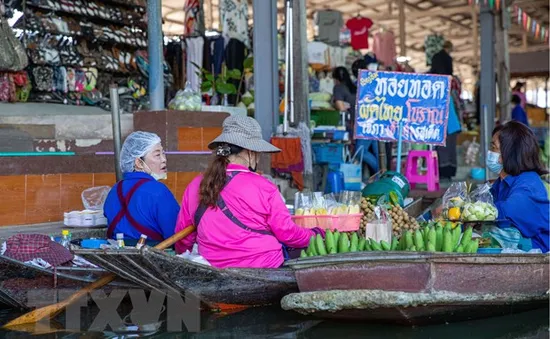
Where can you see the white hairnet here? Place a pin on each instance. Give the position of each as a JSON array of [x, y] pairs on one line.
[[136, 145]]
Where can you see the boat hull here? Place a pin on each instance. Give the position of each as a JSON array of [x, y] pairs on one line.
[[153, 269], [483, 285], [20, 281], [408, 308]]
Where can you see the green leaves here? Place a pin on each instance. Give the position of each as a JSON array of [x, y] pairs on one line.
[[225, 88], [248, 63]]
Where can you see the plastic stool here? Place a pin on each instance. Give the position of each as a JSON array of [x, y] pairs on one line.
[[431, 178]]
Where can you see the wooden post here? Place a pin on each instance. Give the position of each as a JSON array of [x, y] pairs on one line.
[[390, 7], [402, 46], [524, 43]]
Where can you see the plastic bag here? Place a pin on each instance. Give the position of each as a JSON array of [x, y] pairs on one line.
[[352, 200], [472, 153], [381, 227], [303, 204], [481, 206], [186, 100], [94, 198], [454, 200]]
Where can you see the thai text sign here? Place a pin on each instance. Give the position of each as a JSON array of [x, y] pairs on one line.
[[421, 101]]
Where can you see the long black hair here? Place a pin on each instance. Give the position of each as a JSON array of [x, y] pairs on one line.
[[341, 74], [519, 149]]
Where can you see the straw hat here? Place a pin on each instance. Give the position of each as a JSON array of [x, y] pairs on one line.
[[244, 132]]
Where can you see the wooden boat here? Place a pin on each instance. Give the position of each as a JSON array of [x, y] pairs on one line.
[[17, 279], [156, 270], [418, 288]]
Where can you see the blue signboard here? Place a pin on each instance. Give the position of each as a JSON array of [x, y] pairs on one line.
[[419, 101]]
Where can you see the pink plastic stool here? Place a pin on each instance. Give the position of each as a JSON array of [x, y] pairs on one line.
[[431, 178]]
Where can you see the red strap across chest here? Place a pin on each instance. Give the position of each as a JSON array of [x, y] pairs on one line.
[[124, 212]]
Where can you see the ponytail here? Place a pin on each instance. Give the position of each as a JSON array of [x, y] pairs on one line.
[[215, 176]]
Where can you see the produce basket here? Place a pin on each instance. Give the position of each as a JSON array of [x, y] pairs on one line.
[[342, 223]]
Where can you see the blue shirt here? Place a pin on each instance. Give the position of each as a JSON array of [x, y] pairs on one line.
[[152, 205], [518, 114], [522, 202]]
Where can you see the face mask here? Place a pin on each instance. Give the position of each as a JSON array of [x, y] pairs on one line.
[[156, 176], [492, 162], [250, 167]]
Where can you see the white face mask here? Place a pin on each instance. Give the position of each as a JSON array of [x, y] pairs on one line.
[[156, 176]]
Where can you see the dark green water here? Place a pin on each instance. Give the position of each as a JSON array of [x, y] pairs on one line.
[[272, 322]]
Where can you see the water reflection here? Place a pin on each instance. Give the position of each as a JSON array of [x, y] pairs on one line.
[[272, 322]]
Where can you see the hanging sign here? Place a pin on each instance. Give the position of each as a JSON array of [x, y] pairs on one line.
[[421, 101]]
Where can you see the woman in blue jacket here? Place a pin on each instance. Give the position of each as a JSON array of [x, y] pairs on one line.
[[519, 193], [139, 203]]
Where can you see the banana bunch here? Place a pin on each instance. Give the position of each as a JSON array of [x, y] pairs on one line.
[[428, 239], [439, 239]]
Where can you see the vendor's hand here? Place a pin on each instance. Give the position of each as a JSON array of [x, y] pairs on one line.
[[320, 231]]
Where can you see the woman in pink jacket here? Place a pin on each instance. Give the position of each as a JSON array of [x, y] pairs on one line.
[[240, 216]]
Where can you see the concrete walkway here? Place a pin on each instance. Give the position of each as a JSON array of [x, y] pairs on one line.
[[54, 229]]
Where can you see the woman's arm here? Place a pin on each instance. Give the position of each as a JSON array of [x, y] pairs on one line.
[[185, 219], [521, 209], [282, 226], [341, 105]]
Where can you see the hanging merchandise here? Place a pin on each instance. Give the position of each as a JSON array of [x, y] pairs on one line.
[[194, 51], [213, 54], [432, 45], [235, 55], [194, 17], [384, 47], [330, 22], [317, 53], [234, 20], [12, 54], [326, 83], [529, 24], [359, 28]]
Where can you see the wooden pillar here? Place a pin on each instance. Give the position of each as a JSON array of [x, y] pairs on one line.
[[502, 23], [402, 45], [524, 43]]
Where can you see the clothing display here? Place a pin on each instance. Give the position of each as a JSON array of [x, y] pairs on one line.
[[329, 22], [74, 55], [234, 20], [317, 53], [213, 54], [433, 43], [384, 47], [359, 28], [235, 54], [442, 63], [326, 84], [194, 17], [337, 56], [194, 52]]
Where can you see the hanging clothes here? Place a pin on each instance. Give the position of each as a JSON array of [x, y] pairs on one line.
[[317, 53], [194, 17], [329, 22], [384, 47], [432, 45], [213, 55], [194, 51], [235, 54], [234, 20], [359, 28], [290, 160]]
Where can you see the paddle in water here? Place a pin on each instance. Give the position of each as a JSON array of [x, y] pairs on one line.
[[55, 309]]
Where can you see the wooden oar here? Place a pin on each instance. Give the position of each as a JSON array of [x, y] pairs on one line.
[[53, 310]]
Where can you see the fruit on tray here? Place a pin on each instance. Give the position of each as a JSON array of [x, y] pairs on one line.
[[427, 239]]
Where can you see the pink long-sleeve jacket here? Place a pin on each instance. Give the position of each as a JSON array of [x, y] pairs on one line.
[[257, 203]]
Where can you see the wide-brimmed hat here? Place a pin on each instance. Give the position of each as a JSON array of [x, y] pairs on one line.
[[26, 247], [244, 132]]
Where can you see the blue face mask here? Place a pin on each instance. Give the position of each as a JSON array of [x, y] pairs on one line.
[[492, 162]]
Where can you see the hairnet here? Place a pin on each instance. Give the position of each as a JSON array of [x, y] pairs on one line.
[[136, 145]]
